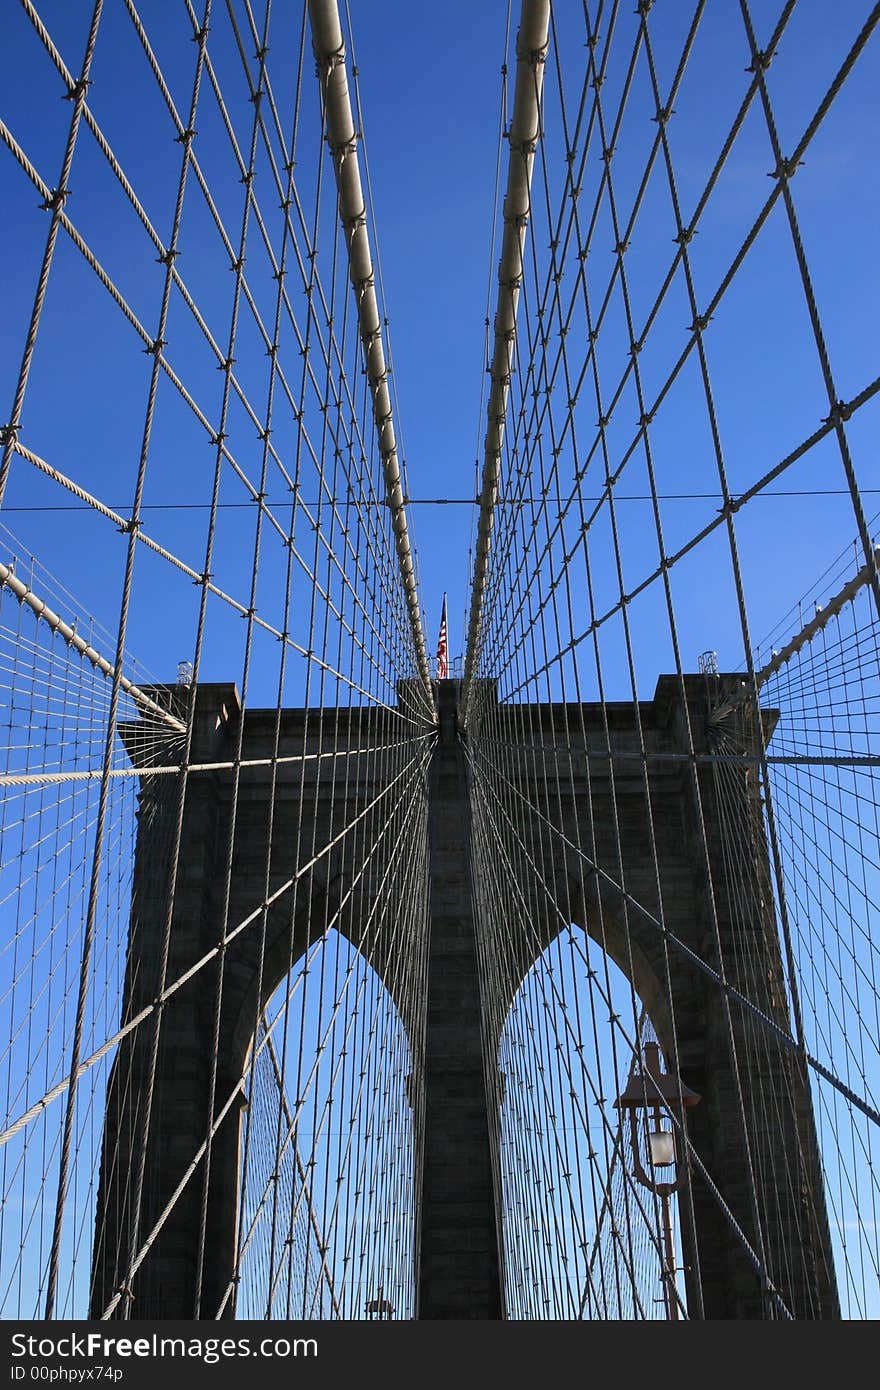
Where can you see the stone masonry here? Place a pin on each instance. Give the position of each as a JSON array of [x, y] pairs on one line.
[[459, 1252]]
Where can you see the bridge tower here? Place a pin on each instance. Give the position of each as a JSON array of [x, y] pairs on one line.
[[459, 1257]]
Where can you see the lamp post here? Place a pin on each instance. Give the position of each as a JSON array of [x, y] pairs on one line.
[[380, 1307], [656, 1093]]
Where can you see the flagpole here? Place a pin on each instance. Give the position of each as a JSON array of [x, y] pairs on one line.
[[443, 646]]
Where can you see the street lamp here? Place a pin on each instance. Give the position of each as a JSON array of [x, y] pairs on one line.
[[657, 1094], [380, 1307]]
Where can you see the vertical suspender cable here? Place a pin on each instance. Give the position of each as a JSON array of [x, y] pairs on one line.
[[525, 127]]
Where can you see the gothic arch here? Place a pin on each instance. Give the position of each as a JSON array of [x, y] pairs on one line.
[[326, 1164], [592, 1245]]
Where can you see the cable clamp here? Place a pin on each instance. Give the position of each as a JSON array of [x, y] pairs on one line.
[[55, 201], [786, 169], [839, 413], [77, 89], [343, 147], [762, 60], [533, 56], [525, 147], [357, 219], [325, 64]]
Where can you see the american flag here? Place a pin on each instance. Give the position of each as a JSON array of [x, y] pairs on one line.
[[442, 655]]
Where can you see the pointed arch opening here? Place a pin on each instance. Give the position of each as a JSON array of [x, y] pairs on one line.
[[583, 1237], [326, 1204]]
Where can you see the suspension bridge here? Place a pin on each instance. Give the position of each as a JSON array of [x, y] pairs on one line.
[[339, 980]]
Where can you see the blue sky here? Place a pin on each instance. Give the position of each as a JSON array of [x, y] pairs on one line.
[[430, 95]]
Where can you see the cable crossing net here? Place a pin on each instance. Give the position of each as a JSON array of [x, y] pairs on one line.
[[222, 877], [674, 413]]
